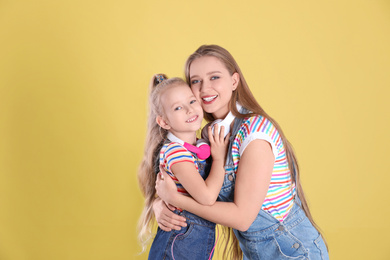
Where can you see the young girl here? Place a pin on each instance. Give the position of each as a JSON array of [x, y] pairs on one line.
[[175, 116], [261, 198]]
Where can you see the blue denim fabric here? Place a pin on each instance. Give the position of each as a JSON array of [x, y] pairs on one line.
[[196, 241], [267, 237], [294, 238]]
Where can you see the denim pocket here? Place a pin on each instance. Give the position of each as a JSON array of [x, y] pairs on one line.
[[194, 242], [274, 248], [183, 232], [290, 247]]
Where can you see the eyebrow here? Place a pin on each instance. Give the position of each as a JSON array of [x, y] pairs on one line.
[[178, 103], [211, 72]]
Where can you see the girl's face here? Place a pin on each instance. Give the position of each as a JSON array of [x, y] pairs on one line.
[[182, 111], [212, 85]]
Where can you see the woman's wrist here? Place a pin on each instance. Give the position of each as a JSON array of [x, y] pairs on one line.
[[172, 198], [178, 200]]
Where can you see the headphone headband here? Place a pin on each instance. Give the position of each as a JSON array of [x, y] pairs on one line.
[[202, 149]]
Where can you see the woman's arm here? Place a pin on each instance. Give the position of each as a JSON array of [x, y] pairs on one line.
[[205, 191], [252, 182], [166, 219]]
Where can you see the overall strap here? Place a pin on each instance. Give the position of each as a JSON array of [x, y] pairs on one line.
[[236, 126]]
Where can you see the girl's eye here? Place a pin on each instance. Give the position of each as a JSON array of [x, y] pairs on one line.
[[193, 101], [214, 77], [194, 82], [178, 108]]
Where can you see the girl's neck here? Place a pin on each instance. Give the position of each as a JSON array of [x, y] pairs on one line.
[[188, 137]]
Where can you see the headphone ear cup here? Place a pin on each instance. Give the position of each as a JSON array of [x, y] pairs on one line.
[[221, 123], [204, 151], [205, 132]]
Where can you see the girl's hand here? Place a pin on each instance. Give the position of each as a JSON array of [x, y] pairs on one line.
[[165, 187], [218, 143], [166, 219]]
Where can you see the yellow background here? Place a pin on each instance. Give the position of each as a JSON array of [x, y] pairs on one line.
[[73, 99]]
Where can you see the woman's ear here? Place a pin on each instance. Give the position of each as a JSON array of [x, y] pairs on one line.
[[162, 123], [236, 80]]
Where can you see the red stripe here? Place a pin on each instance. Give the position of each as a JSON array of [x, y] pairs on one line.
[[261, 124], [247, 128], [186, 160], [182, 190], [279, 182], [277, 140], [278, 205], [281, 160]]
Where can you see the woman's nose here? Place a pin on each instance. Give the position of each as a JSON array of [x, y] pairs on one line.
[[204, 86]]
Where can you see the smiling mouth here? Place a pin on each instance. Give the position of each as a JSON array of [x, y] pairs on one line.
[[209, 98], [192, 119]]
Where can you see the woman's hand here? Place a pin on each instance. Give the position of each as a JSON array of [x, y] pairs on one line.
[[218, 142], [166, 219], [165, 187]]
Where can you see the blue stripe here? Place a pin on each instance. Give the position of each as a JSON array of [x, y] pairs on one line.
[[174, 146], [178, 158]]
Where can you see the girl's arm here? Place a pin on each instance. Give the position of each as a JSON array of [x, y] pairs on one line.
[[205, 191], [252, 182]]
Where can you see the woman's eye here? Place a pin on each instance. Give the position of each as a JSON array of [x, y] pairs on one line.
[[178, 108], [194, 82], [214, 77]]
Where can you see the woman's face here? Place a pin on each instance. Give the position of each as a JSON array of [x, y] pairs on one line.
[[212, 85]]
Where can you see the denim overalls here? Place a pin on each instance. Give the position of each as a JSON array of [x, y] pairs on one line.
[[267, 237], [193, 242]]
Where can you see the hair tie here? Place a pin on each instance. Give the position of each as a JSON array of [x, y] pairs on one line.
[[160, 78]]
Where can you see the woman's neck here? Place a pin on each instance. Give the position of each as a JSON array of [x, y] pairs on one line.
[[221, 114]]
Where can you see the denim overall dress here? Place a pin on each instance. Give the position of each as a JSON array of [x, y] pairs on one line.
[[267, 237], [193, 242]]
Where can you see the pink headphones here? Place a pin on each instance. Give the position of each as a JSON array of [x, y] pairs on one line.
[[202, 149]]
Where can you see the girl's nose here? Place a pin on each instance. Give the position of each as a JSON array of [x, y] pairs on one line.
[[189, 109]]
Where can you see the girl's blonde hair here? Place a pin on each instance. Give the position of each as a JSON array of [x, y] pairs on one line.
[[244, 96], [149, 166]]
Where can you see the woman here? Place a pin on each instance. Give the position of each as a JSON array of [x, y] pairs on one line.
[[261, 198]]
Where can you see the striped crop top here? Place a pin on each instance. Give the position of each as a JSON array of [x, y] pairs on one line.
[[279, 198], [172, 153]]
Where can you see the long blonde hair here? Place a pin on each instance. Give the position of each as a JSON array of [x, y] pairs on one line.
[[244, 96], [148, 168]]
